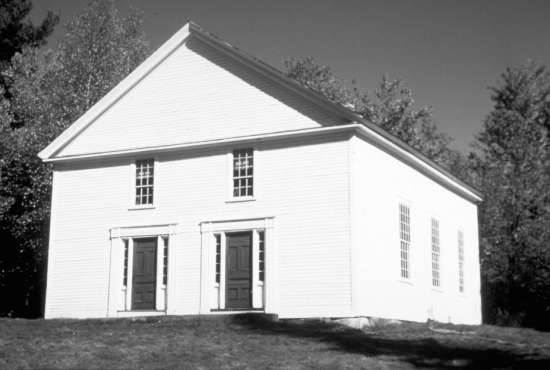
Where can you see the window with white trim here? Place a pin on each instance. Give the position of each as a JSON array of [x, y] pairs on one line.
[[436, 254], [460, 261], [405, 239], [261, 256], [145, 175], [243, 173]]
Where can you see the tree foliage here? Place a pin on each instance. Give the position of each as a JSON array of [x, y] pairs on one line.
[[513, 168], [49, 89], [16, 31], [391, 106]]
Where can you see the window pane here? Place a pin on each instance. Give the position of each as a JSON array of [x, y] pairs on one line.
[[460, 262], [435, 253], [242, 172], [144, 181], [404, 235]]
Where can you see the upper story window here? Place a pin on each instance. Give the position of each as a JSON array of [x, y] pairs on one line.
[[243, 173], [436, 251], [405, 239], [145, 175], [460, 261]]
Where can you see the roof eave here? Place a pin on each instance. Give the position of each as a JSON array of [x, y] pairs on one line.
[[315, 97], [48, 154], [361, 130], [115, 94]]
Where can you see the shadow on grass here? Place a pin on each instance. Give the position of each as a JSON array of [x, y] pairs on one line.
[[423, 351]]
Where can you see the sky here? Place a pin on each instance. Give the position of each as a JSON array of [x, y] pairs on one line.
[[448, 52]]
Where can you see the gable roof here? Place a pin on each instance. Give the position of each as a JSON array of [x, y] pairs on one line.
[[382, 137]]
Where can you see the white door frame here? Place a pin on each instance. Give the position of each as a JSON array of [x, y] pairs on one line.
[[119, 297], [212, 295]]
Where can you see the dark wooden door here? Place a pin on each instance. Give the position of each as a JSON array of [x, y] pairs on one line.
[[144, 276], [238, 271]]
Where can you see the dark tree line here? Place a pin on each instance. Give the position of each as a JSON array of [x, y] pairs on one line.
[[43, 90], [513, 169]]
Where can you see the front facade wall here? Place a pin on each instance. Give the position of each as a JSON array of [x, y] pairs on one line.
[[380, 184], [301, 203]]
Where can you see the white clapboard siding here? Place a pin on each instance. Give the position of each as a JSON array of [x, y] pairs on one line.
[[197, 93], [381, 182], [302, 184], [328, 201]]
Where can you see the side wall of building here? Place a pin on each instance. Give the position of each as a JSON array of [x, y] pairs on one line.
[[380, 183], [303, 185]]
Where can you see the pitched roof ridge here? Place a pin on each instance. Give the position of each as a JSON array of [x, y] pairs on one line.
[[116, 93], [340, 108], [259, 65]]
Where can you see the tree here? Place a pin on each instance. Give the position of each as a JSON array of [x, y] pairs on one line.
[[49, 90], [391, 106], [513, 165], [16, 33]]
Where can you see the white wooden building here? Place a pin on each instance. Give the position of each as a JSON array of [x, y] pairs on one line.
[[207, 182]]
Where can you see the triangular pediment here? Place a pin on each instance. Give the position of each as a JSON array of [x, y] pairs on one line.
[[191, 90]]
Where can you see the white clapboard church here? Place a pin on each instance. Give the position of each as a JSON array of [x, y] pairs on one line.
[[207, 182]]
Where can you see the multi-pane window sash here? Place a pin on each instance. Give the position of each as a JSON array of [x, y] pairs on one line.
[[243, 172], [145, 174], [435, 253], [460, 261], [218, 257], [165, 261], [405, 239], [261, 257], [125, 275]]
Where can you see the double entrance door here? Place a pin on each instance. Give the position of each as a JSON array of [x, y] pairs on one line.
[[238, 281]]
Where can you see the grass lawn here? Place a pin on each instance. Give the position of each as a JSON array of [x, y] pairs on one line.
[[253, 342]]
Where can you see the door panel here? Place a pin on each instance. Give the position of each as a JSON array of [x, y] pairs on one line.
[[144, 276], [239, 270]]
